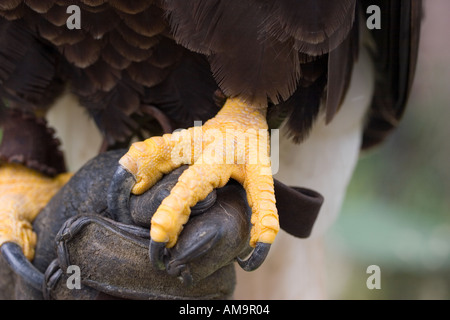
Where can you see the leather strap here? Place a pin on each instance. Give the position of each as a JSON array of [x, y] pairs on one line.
[[298, 208]]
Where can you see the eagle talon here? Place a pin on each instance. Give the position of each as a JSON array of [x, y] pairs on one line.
[[119, 192], [156, 253], [20, 265], [232, 145], [257, 257]]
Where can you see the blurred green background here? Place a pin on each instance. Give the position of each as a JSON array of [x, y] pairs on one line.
[[397, 211]]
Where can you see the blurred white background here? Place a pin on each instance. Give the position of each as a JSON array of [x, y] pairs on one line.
[[397, 211]]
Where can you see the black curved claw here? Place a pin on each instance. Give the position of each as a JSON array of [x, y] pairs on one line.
[[19, 264], [119, 192], [157, 254], [257, 257], [182, 255]]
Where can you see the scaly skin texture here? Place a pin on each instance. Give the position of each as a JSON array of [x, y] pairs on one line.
[[23, 194], [234, 144]]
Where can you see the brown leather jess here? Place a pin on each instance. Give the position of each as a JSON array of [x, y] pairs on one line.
[[298, 208]]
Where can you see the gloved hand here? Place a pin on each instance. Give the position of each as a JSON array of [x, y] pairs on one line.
[[23, 194]]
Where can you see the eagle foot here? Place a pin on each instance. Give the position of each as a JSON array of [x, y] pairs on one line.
[[234, 144], [23, 194]]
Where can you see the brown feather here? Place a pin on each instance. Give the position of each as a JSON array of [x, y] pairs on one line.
[[166, 54], [244, 61], [9, 4], [148, 23], [102, 76], [84, 53], [49, 32], [318, 26], [13, 14], [174, 54], [79, 82], [146, 74], [62, 37], [28, 67], [302, 108], [115, 59], [111, 109], [395, 58], [40, 6], [188, 94], [127, 50], [97, 24], [93, 8], [57, 15], [251, 44], [94, 3], [340, 67], [130, 7], [135, 39], [29, 141]]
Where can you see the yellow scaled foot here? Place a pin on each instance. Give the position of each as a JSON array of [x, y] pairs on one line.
[[234, 144], [23, 194]]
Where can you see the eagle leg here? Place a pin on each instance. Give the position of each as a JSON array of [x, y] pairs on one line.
[[233, 144]]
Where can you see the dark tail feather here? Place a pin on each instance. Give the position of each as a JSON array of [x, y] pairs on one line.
[[306, 106], [340, 67]]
